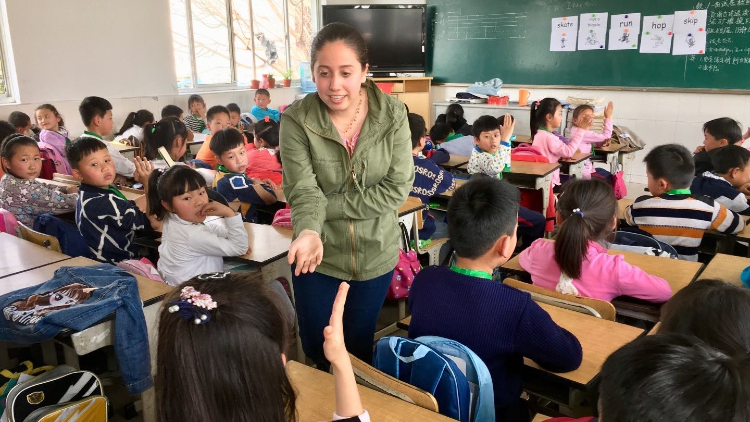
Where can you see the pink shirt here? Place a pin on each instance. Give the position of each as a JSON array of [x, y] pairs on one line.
[[591, 137], [263, 164], [554, 149], [603, 276]]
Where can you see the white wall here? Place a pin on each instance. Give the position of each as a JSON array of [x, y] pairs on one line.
[[657, 117], [119, 50]]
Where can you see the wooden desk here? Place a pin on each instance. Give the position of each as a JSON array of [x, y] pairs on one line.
[[127, 151], [676, 272], [574, 165], [449, 194], [455, 161], [611, 155], [599, 338], [726, 268], [622, 204], [267, 243], [411, 205], [20, 255], [63, 180], [316, 399], [531, 175], [626, 157]]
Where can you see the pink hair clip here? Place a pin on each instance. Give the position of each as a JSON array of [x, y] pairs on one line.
[[194, 305], [538, 102]]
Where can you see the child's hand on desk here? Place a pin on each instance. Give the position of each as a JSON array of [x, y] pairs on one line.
[[269, 183], [217, 209], [606, 143], [143, 169], [72, 189], [608, 110], [586, 121], [506, 130], [307, 251], [334, 347], [700, 148]]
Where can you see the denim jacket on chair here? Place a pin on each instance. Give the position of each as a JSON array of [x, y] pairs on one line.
[[77, 298]]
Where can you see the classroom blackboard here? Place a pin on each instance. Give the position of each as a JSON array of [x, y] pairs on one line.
[[476, 40]]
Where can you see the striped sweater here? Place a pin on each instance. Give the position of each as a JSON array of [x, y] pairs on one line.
[[680, 220]]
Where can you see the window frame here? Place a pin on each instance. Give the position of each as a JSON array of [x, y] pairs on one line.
[[232, 86], [6, 57]]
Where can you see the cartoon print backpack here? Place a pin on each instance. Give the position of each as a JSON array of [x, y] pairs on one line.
[[406, 269]]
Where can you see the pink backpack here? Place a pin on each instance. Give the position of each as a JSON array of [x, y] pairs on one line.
[[8, 222], [618, 184], [406, 269], [143, 267]]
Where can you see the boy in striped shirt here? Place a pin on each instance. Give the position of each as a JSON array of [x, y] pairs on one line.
[[673, 215]]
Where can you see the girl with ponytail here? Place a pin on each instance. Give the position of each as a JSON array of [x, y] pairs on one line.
[[264, 161], [133, 126], [577, 262]]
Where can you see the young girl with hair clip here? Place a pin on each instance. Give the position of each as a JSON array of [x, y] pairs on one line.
[[454, 117], [191, 245], [20, 192], [133, 125], [53, 134], [577, 262], [546, 116], [169, 133], [264, 161], [221, 358], [590, 137]]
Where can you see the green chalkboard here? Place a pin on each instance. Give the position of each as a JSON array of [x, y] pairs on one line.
[[476, 40]]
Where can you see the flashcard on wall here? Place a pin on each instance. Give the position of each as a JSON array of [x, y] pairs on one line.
[[629, 21], [592, 39], [622, 39], [593, 21], [690, 21], [657, 42], [658, 23], [564, 34], [689, 43]]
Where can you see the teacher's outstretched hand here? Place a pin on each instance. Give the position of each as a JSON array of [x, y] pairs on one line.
[[307, 251]]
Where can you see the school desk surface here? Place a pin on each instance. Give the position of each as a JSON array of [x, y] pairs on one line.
[[726, 268], [20, 255]]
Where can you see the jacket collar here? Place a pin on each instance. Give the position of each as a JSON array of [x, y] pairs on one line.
[[714, 176]]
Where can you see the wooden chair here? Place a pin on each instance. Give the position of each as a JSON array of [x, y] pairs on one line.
[[594, 307], [41, 239], [380, 381]]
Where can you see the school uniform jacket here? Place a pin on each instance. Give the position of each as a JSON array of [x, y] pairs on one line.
[[239, 187], [721, 191], [27, 198]]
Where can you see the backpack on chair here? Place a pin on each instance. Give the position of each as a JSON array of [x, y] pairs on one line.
[[70, 238], [8, 222]]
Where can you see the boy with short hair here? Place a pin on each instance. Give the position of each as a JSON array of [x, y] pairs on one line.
[[171, 110], [491, 145], [429, 180], [673, 214], [96, 114], [107, 221], [218, 119], [231, 182], [260, 110], [671, 378], [500, 324], [717, 133], [196, 120], [235, 117], [729, 181], [22, 122], [432, 150]]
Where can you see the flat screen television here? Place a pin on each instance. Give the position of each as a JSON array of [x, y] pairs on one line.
[[395, 34]]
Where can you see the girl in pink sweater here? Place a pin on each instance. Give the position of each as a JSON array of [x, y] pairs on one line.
[[577, 262], [591, 138], [264, 161], [546, 116]]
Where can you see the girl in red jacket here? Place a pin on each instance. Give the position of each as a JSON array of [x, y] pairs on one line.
[[264, 162]]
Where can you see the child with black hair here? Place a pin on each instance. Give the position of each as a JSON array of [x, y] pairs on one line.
[[106, 219], [491, 153], [6, 129], [500, 324], [190, 245], [546, 116], [454, 118], [169, 133], [429, 180], [196, 120], [432, 149], [240, 191], [729, 181], [235, 117], [171, 110], [53, 133], [260, 110], [590, 137], [218, 119], [264, 161], [577, 262], [673, 214], [22, 122], [96, 113], [672, 378], [717, 133], [133, 126], [20, 192]]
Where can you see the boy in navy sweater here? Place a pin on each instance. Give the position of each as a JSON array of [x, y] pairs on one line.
[[500, 324], [106, 219], [728, 183]]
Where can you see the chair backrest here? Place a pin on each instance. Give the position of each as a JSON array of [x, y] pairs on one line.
[[585, 305], [387, 384], [41, 239]]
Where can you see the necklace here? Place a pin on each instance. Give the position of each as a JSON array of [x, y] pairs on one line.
[[354, 119]]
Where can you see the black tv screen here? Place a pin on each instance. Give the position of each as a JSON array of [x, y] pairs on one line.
[[394, 34]]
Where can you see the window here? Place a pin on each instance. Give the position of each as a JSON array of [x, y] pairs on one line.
[[232, 42]]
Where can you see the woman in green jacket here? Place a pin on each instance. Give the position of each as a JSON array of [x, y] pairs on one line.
[[347, 168]]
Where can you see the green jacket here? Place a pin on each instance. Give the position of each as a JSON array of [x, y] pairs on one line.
[[352, 202]]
